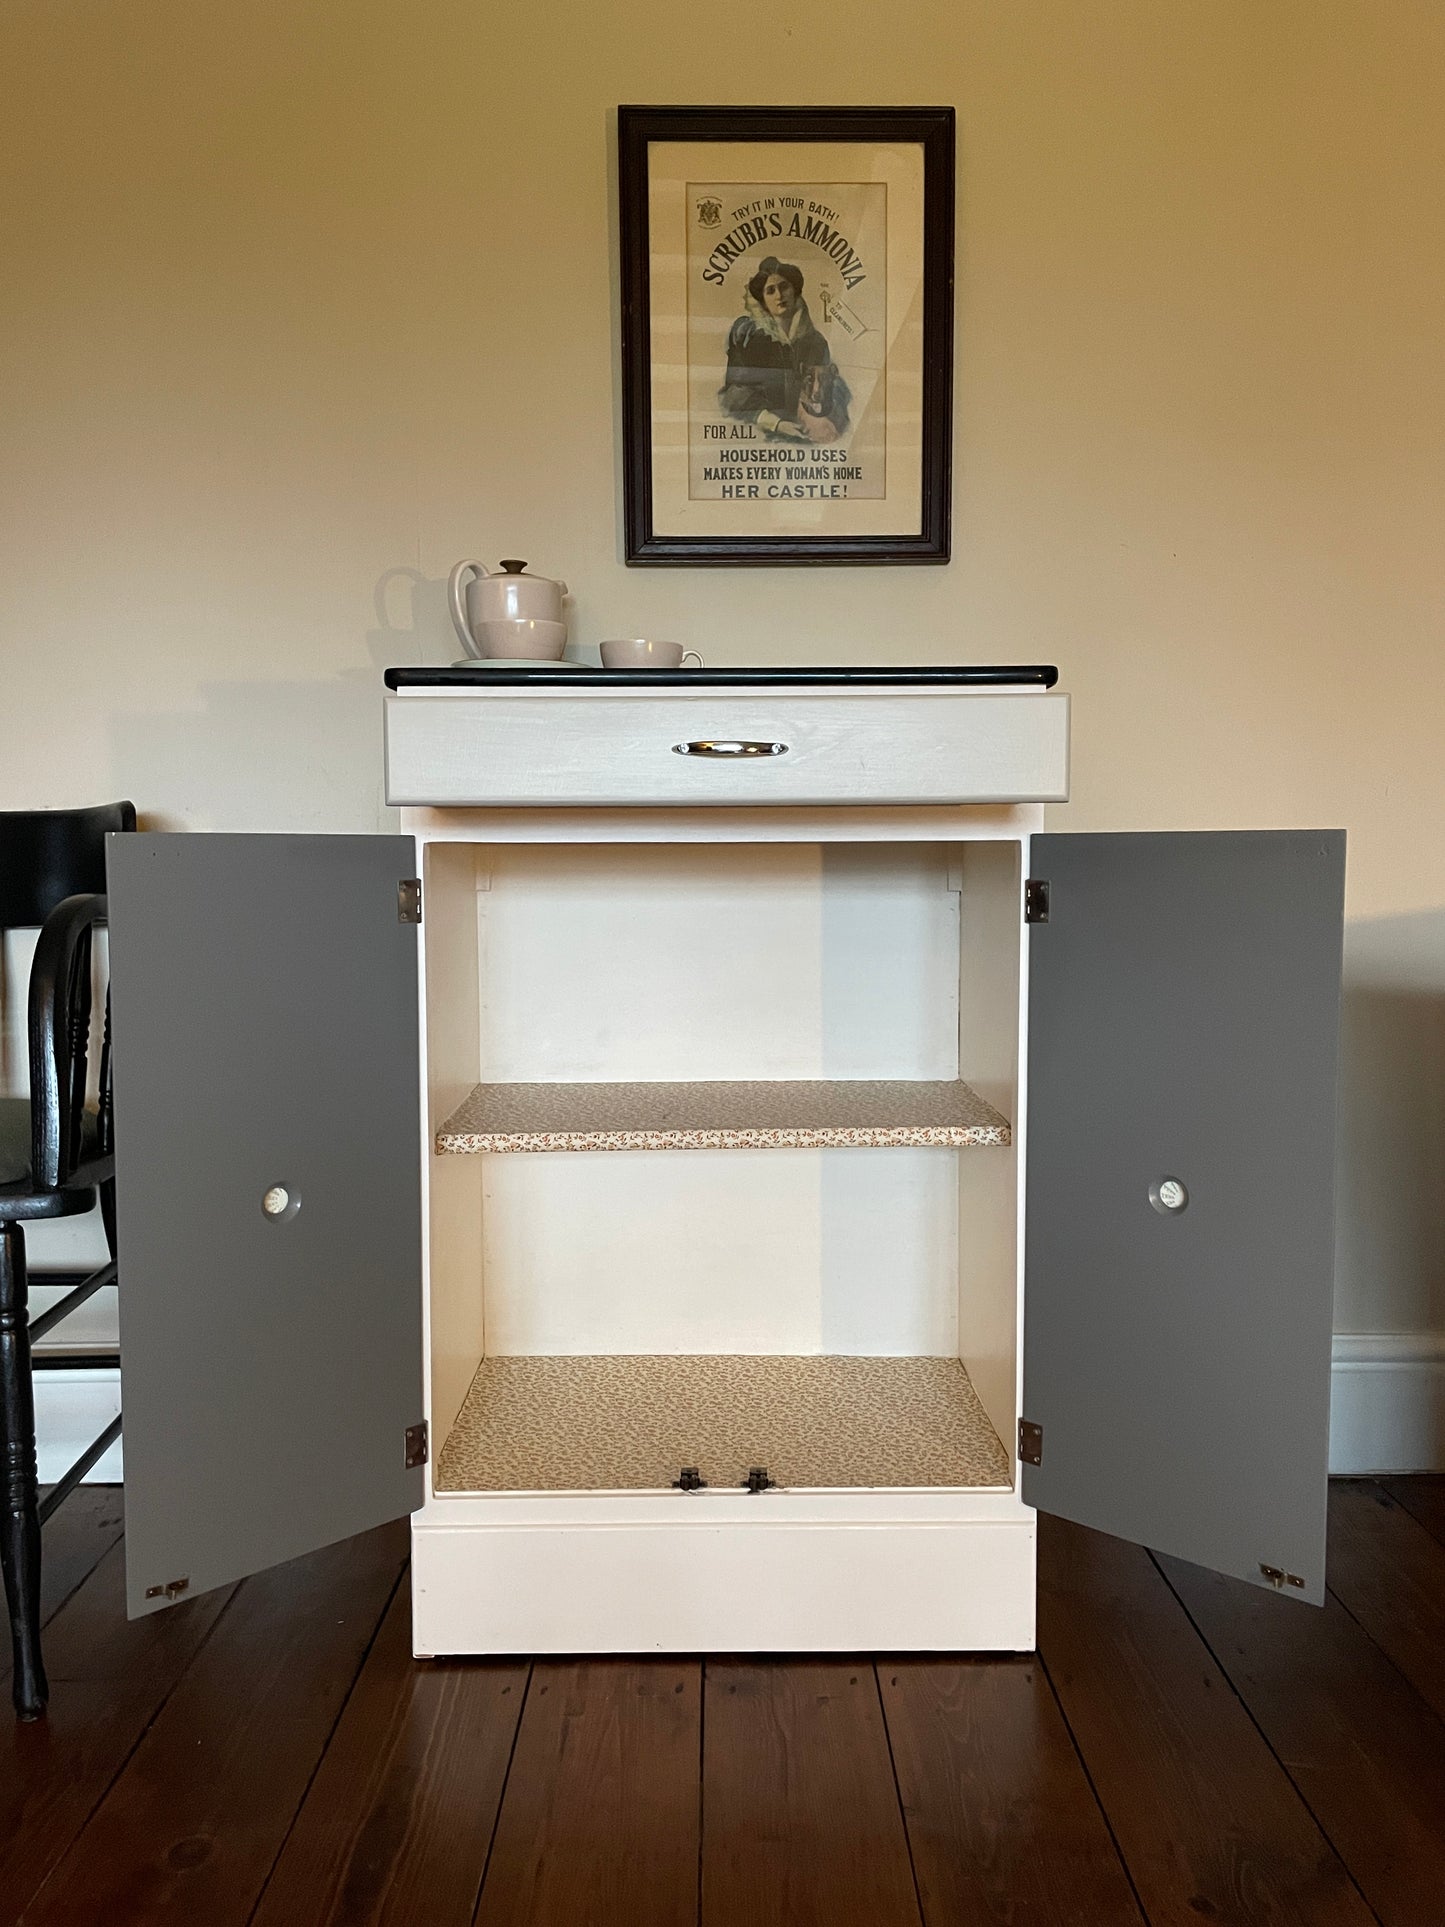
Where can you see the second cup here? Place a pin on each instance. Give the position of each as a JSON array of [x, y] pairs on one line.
[[637, 653]]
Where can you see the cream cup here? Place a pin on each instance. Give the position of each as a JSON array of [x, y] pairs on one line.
[[637, 653]]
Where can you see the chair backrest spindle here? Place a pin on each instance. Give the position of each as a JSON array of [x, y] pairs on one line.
[[60, 1002]]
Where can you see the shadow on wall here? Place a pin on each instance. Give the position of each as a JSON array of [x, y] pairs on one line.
[[272, 755], [427, 632], [1391, 1210], [260, 756]]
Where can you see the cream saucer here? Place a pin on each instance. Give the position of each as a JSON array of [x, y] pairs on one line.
[[515, 662]]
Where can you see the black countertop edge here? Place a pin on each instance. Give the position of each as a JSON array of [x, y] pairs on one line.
[[553, 675]]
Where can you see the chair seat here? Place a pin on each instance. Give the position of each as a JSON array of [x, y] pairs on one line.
[[18, 1197]]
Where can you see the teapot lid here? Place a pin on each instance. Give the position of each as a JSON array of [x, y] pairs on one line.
[[512, 568]]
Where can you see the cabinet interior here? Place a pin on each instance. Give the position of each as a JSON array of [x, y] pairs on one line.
[[722, 1168]]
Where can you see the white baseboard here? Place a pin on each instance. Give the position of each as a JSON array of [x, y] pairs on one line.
[[1387, 1408], [1387, 1402], [73, 1406]]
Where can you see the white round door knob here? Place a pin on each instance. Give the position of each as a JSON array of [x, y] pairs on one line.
[[279, 1204], [1169, 1195]]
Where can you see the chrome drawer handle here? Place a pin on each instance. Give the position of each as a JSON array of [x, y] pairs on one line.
[[709, 748]]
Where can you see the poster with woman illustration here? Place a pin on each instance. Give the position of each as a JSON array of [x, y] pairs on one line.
[[787, 328], [787, 342]]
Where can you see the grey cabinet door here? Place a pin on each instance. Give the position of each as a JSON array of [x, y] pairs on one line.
[[266, 1041], [1183, 1032]]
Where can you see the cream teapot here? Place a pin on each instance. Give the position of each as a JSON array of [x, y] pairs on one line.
[[506, 595]]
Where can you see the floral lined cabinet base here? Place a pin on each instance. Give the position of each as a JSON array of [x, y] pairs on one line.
[[620, 1422]]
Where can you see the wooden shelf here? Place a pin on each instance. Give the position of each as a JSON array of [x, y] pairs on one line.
[[721, 1117], [624, 1422]]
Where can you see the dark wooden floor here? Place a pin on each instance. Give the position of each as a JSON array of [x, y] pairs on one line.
[[1183, 1749]]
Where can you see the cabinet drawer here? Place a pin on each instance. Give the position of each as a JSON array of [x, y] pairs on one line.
[[522, 747]]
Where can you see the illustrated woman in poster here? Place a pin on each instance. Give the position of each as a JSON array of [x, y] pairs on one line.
[[780, 372]]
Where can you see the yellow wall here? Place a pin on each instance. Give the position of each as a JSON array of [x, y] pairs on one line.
[[304, 301]]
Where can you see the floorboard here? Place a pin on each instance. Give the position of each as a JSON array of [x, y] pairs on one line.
[[1185, 1748], [1423, 1496], [801, 1819], [396, 1826], [75, 1539], [1388, 1570], [108, 1679], [1208, 1823], [1365, 1751], [1002, 1822], [190, 1829], [599, 1821]]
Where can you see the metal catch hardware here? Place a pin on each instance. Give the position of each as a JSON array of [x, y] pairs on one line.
[[1031, 1443], [1279, 1578], [416, 1445], [171, 1591], [690, 1480], [758, 1480]]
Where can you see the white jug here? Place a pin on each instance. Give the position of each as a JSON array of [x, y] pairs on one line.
[[508, 595]]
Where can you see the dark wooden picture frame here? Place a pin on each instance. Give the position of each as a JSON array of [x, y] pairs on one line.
[[932, 128]]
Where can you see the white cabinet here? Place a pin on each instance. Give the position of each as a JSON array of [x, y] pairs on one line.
[[687, 1139]]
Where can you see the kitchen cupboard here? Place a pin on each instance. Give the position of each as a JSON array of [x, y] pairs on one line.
[[722, 1169]]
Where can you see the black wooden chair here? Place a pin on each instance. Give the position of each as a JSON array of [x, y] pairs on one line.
[[55, 1161]]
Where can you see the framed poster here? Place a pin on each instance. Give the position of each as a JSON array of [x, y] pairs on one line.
[[787, 333]]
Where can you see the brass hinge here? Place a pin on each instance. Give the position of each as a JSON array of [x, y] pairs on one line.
[[171, 1591], [416, 1446], [1279, 1578], [1036, 900], [1031, 1443], [408, 900]]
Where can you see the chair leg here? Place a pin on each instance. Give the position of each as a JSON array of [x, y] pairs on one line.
[[107, 1213], [19, 1496]]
